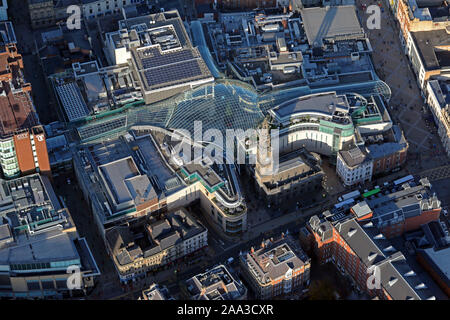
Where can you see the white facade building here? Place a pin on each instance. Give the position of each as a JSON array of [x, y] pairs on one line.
[[354, 166], [310, 121], [95, 8], [438, 99], [8, 158], [164, 242], [118, 45]]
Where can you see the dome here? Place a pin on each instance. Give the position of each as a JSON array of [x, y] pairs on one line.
[[220, 106]]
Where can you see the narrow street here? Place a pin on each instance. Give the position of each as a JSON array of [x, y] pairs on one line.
[[406, 107]]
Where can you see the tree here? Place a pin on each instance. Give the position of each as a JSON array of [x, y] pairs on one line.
[[321, 290]]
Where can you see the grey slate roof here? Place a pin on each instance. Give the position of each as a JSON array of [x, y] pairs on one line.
[[354, 156], [367, 242], [125, 240], [408, 202], [400, 281]]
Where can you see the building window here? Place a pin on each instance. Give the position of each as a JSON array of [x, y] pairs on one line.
[[33, 285], [48, 284], [61, 283]]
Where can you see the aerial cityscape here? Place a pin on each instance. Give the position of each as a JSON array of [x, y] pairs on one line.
[[244, 150]]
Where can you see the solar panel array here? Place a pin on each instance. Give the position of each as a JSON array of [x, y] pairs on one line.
[[72, 101], [153, 58], [173, 72]]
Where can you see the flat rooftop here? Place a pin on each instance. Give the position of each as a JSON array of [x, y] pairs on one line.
[[326, 103], [163, 19], [156, 292], [166, 56], [126, 183], [439, 261], [215, 284], [441, 89], [30, 204], [162, 176], [16, 110], [159, 70], [130, 171], [43, 248], [204, 172], [299, 158], [433, 47], [339, 22], [273, 260]]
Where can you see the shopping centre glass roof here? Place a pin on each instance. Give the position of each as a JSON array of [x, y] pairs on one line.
[[226, 104]]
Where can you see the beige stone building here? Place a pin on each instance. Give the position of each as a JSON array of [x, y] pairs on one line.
[[280, 178], [42, 13], [276, 268], [147, 245]]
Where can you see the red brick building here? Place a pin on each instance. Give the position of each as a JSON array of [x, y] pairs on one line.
[[358, 249], [391, 154], [356, 240], [436, 263], [406, 209], [31, 151], [23, 147]]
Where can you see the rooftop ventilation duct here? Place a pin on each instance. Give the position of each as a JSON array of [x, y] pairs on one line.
[[372, 256], [392, 281], [351, 232], [410, 274], [368, 225], [421, 286]]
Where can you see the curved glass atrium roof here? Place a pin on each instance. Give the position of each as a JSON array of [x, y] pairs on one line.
[[220, 107], [226, 104]]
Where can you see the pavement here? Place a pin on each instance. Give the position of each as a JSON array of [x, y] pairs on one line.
[[82, 217], [406, 107], [43, 101]]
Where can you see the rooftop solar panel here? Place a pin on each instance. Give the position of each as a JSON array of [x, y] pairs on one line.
[[173, 72], [72, 101], [153, 58]]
